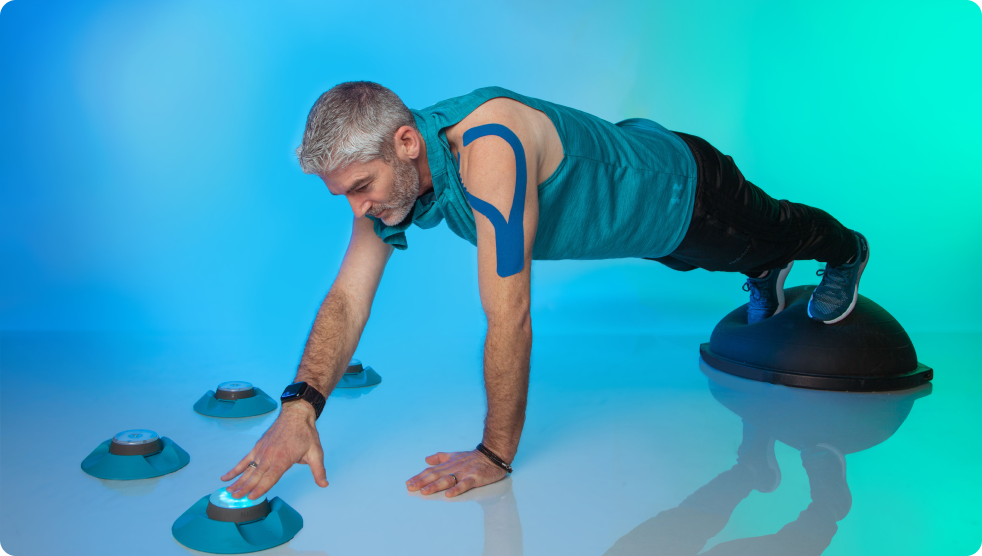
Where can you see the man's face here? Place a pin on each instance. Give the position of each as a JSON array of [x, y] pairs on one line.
[[377, 188]]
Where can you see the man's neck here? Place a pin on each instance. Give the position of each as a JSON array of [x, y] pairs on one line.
[[423, 167]]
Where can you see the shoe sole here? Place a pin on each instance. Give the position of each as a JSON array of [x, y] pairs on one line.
[[780, 287], [773, 466], [835, 451], [855, 292]]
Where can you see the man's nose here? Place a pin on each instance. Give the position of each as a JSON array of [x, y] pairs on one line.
[[359, 206]]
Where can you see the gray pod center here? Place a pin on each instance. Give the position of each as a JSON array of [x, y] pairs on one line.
[[238, 515], [136, 442], [354, 367], [235, 390]]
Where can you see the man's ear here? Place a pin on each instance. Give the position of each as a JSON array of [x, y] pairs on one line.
[[407, 141]]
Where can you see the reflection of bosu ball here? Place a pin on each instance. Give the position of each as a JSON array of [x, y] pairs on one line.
[[224, 525], [824, 427], [235, 399], [867, 351], [358, 376], [135, 454]]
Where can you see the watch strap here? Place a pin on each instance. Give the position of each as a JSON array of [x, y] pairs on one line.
[[307, 393], [316, 399]]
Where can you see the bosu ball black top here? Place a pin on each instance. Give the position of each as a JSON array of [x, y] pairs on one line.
[[865, 352]]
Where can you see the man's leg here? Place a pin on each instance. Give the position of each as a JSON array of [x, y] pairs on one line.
[[737, 227]]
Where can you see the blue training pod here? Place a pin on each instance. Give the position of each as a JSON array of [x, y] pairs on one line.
[[358, 376], [106, 461], [195, 529], [235, 399]]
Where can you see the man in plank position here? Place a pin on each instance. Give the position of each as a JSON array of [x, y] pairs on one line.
[[543, 181]]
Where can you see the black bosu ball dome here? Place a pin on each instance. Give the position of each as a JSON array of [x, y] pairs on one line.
[[868, 351]]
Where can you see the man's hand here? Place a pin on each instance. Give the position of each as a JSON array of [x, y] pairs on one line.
[[472, 470], [292, 439]]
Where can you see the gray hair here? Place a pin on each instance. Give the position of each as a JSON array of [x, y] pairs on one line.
[[352, 122]]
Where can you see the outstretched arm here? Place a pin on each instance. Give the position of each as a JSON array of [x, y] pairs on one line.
[[293, 437], [494, 166]]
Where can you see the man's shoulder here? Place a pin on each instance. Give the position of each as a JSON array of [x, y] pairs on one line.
[[499, 110], [461, 106]]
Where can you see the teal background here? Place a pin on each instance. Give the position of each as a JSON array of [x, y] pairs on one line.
[[148, 185], [149, 182]]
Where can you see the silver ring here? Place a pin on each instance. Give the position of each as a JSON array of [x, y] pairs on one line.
[[454, 480], [253, 465]]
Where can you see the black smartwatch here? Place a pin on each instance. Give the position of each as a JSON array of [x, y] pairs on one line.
[[304, 391]]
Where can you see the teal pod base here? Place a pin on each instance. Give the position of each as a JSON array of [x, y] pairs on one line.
[[195, 530], [246, 407], [368, 377], [104, 465]]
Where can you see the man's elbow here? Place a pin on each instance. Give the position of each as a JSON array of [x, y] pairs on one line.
[[517, 319]]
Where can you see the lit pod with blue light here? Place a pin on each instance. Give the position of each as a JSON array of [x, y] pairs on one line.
[[135, 454], [221, 524], [236, 398], [358, 376]]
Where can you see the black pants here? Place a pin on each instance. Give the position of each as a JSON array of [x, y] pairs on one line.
[[736, 227]]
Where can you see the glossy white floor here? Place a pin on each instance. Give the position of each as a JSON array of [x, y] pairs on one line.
[[631, 447]]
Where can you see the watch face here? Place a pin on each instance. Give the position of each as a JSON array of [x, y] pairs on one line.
[[293, 390]]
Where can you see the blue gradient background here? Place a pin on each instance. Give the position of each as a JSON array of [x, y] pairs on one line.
[[149, 181]]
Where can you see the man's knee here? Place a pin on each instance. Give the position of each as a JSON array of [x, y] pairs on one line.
[[673, 263]]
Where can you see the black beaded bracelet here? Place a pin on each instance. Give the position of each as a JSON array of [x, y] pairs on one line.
[[493, 457]]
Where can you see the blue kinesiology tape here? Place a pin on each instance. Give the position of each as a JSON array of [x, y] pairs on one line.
[[509, 234]]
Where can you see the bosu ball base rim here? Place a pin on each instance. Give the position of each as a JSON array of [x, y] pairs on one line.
[[868, 351], [921, 375], [210, 406], [195, 530], [102, 464]]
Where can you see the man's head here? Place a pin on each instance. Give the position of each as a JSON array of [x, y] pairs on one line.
[[363, 142]]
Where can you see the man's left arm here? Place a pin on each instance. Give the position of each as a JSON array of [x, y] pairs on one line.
[[503, 194]]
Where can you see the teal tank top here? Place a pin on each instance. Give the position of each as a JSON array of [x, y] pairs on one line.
[[623, 190]]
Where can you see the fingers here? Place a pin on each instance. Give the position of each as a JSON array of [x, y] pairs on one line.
[[471, 470], [468, 483], [247, 482], [484, 475], [239, 467], [288, 441], [438, 458], [426, 477], [444, 482], [242, 480], [315, 459], [268, 480]]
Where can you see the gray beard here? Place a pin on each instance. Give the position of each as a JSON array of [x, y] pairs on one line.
[[405, 188]]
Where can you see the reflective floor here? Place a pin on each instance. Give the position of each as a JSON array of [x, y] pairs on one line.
[[631, 446]]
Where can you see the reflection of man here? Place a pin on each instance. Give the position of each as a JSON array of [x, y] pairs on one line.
[[824, 426], [502, 524], [543, 181], [684, 530]]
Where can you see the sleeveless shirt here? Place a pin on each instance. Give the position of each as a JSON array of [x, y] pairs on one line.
[[624, 190]]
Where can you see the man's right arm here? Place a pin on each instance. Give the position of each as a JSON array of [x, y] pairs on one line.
[[332, 341], [345, 311]]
